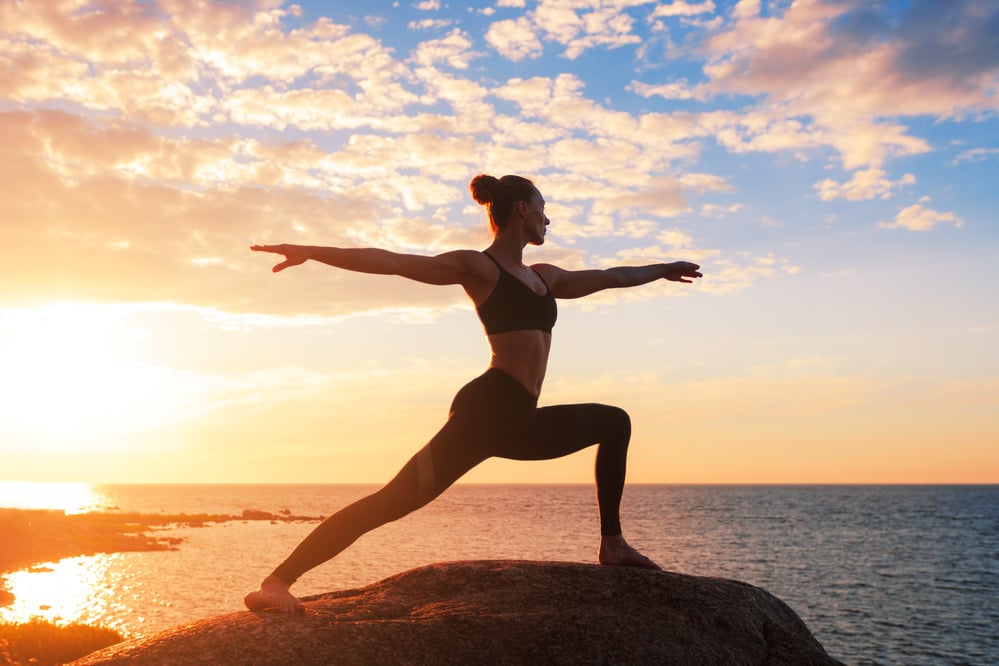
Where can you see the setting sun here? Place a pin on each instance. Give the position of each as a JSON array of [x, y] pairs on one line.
[[69, 379]]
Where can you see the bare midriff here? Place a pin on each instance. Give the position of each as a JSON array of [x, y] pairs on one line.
[[523, 355]]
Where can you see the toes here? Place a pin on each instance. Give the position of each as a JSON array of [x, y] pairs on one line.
[[259, 601], [253, 601]]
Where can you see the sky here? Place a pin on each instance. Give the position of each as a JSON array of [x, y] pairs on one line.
[[831, 165]]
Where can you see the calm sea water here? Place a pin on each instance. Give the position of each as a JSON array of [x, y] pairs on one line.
[[881, 574]]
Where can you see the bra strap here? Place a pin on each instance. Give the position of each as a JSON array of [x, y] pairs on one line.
[[498, 264]]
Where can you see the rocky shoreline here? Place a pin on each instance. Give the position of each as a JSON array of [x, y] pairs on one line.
[[34, 536]]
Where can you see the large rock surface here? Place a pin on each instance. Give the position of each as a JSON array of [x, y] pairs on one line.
[[502, 612]]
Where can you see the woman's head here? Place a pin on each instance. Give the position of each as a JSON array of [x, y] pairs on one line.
[[499, 195]]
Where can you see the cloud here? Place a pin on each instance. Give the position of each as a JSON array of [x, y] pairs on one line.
[[576, 27], [655, 139], [780, 129], [704, 182], [717, 211], [514, 39], [682, 8], [865, 184], [603, 27], [919, 218], [678, 90], [455, 50], [819, 69], [175, 68], [975, 155], [429, 24]]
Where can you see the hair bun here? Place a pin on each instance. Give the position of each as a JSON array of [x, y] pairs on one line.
[[483, 188]]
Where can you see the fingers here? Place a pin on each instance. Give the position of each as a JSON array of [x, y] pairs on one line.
[[684, 269], [276, 249], [690, 270]]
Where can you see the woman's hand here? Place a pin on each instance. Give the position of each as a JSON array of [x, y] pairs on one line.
[[678, 270], [293, 254]]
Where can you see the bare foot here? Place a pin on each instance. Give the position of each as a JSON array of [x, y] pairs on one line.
[[273, 595], [615, 551]]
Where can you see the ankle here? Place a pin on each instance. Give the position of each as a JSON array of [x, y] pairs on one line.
[[274, 581], [612, 539]]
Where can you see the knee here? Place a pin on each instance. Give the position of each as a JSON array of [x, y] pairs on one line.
[[618, 425]]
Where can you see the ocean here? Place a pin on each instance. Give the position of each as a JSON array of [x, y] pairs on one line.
[[905, 575]]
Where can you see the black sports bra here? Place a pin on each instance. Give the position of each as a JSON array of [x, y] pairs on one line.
[[513, 306]]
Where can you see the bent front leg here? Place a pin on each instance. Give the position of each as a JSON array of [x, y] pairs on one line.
[[563, 429]]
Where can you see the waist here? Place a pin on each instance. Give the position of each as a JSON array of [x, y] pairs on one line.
[[522, 355]]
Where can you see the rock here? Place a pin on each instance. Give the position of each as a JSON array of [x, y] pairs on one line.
[[502, 612], [255, 514]]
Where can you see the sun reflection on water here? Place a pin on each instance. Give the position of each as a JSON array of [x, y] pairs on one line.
[[68, 497], [75, 589]]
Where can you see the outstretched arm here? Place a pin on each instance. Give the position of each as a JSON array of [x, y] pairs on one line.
[[456, 267], [576, 284]]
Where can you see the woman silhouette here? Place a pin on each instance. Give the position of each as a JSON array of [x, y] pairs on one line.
[[495, 414]]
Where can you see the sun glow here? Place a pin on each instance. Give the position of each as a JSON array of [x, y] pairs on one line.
[[75, 589], [68, 497], [72, 376]]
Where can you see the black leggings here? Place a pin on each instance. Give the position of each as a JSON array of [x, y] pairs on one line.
[[493, 415]]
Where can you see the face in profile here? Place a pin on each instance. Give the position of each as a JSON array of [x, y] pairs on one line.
[[536, 221]]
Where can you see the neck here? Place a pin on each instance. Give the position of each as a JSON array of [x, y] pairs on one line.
[[508, 245]]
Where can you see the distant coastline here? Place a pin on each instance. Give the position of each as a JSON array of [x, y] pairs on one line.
[[35, 536]]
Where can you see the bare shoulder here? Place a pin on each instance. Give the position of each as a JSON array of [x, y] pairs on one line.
[[464, 256], [478, 272], [553, 275], [550, 272], [471, 262]]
